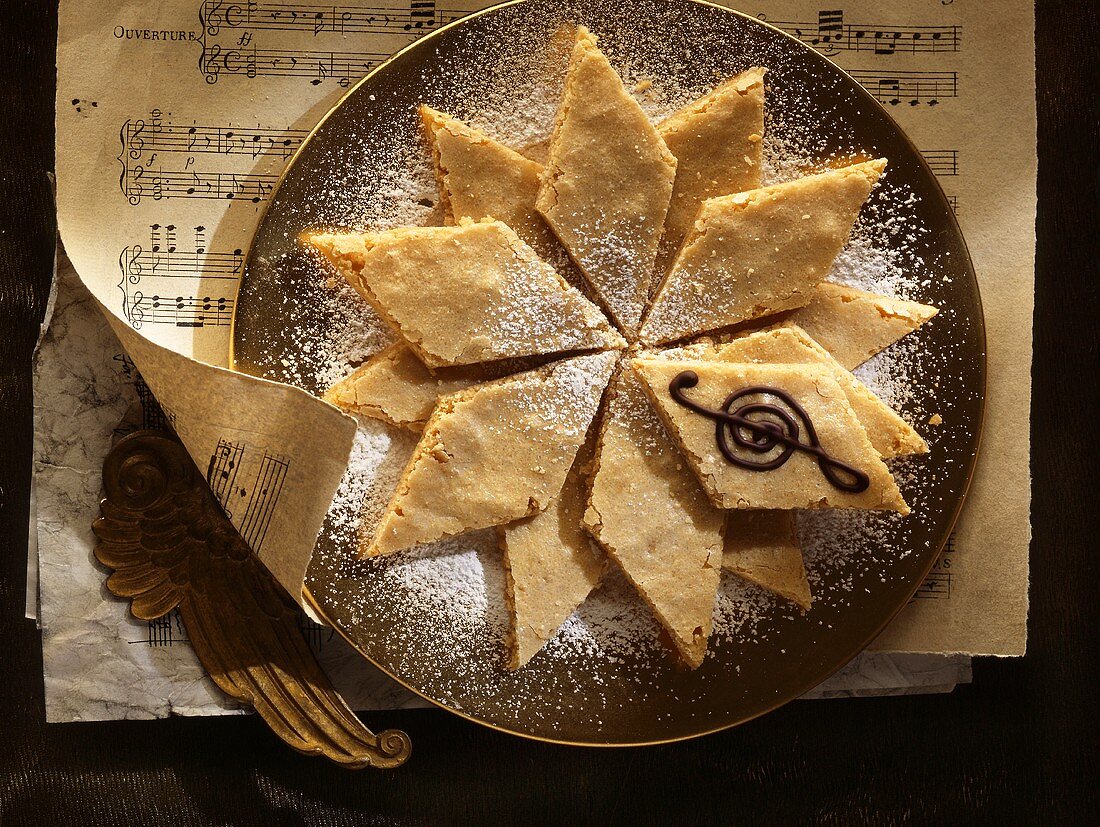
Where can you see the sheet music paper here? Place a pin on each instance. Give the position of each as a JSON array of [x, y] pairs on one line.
[[174, 120], [99, 662]]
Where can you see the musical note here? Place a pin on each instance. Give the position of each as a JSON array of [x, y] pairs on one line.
[[910, 87], [424, 14], [152, 272], [830, 29], [221, 473], [239, 471], [830, 34], [775, 428]]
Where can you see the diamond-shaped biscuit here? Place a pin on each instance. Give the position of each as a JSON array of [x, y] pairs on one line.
[[854, 325], [891, 435], [755, 253], [800, 481], [494, 453], [762, 547], [396, 387], [649, 513], [607, 183], [551, 564], [480, 178], [471, 293], [717, 141]]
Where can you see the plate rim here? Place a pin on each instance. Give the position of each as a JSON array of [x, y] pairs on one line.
[[944, 207]]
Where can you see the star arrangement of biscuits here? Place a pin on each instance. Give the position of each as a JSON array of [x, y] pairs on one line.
[[664, 397]]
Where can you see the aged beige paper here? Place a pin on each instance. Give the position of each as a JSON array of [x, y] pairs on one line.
[[99, 662], [174, 119]]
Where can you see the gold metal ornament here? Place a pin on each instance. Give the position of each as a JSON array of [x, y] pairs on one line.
[[170, 546]]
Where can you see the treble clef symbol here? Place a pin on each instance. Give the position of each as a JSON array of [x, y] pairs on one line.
[[133, 263], [774, 426], [209, 62]]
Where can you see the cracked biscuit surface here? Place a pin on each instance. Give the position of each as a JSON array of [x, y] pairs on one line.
[[469, 293], [762, 547], [854, 325], [394, 386], [479, 178], [759, 252], [494, 453], [607, 183], [717, 142], [551, 564], [797, 483], [650, 514], [891, 435]]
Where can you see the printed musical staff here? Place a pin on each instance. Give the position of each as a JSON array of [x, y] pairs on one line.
[[315, 634], [141, 136], [346, 18], [156, 260], [318, 66], [222, 471], [277, 39], [238, 473], [830, 35], [164, 631], [163, 159], [937, 586], [153, 416], [169, 630], [159, 280], [261, 505], [910, 87], [181, 311], [942, 162], [140, 182]]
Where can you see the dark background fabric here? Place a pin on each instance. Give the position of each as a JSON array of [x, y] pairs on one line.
[[1019, 745]]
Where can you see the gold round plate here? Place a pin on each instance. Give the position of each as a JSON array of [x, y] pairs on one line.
[[577, 699]]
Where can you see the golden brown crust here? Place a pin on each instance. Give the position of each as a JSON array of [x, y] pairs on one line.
[[717, 142], [762, 547], [396, 387], [854, 325], [494, 453], [607, 183], [551, 565], [647, 510], [760, 252], [799, 482], [891, 435], [465, 294], [482, 178]]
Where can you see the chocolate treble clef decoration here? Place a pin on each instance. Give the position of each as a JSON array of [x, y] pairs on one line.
[[762, 436]]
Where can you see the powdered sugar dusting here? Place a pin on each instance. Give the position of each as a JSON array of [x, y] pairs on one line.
[[439, 612]]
